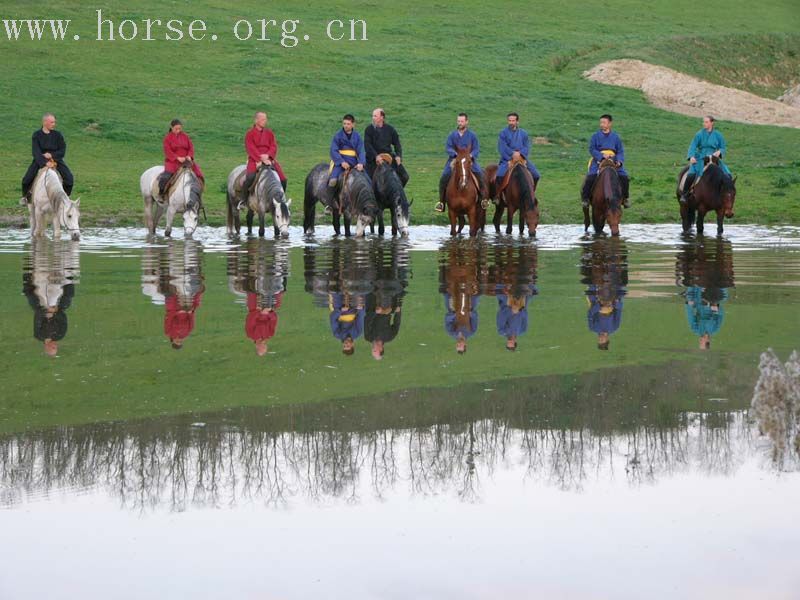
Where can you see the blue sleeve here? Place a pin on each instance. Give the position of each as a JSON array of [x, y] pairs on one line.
[[526, 144], [503, 146], [694, 146], [723, 147], [620, 150], [450, 146], [335, 150], [476, 147], [358, 329], [594, 148], [360, 149]]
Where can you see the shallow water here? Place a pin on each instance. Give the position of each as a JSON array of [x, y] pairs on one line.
[[129, 469]]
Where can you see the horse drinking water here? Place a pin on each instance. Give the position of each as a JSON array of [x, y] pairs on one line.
[[516, 193], [605, 199], [266, 196], [356, 200], [184, 195], [389, 194], [50, 201]]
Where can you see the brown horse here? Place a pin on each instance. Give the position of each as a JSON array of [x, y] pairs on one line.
[[519, 194], [605, 199], [715, 191], [462, 193]]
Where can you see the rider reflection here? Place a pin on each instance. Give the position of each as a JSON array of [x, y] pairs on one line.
[[260, 275], [173, 275], [382, 321], [705, 270], [48, 282], [604, 269], [461, 275], [514, 274]]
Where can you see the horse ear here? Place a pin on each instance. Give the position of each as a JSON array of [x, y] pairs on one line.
[[410, 202], [78, 201], [735, 178]]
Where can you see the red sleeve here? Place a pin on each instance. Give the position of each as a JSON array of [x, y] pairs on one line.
[[169, 151], [190, 152], [272, 144], [251, 147], [196, 300], [252, 301]]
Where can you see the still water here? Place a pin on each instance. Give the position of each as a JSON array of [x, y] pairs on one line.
[[421, 418]]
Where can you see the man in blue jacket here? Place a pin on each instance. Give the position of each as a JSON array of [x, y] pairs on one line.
[[605, 143], [347, 152], [513, 143], [461, 137]]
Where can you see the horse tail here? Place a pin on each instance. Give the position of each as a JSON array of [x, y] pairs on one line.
[[691, 214], [229, 215], [309, 203], [526, 198]]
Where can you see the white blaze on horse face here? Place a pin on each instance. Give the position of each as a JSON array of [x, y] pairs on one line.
[[463, 173], [361, 224], [70, 218], [190, 219], [402, 219], [281, 219]]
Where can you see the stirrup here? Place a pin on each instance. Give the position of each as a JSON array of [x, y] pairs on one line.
[[24, 201], [327, 211], [585, 202], [439, 207], [626, 202], [485, 203]]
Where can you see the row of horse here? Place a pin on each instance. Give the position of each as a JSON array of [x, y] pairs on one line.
[[363, 201]]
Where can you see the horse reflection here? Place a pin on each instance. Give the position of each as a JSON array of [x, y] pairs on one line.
[[704, 269], [259, 276], [604, 270], [383, 303], [513, 277], [462, 277], [49, 275], [172, 275], [362, 284]]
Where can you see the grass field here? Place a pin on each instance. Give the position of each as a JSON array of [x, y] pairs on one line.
[[423, 62]]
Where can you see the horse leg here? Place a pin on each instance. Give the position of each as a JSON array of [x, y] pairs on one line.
[[262, 217], [598, 220], [157, 217], [249, 217], [395, 228], [720, 218], [586, 220], [498, 216], [346, 226], [453, 220], [170, 217], [701, 215], [381, 228], [473, 220], [685, 218], [510, 224], [37, 221], [337, 223], [56, 228], [148, 215], [237, 220], [460, 223]]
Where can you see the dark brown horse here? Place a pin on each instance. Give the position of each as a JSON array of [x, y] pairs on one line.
[[519, 194], [605, 199], [714, 192], [462, 193]]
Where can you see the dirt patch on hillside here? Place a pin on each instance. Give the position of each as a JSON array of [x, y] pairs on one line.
[[676, 92]]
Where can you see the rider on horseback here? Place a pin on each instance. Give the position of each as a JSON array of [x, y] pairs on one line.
[[461, 137], [262, 148], [706, 142], [347, 151], [381, 138], [49, 148], [178, 148], [513, 144], [606, 144]]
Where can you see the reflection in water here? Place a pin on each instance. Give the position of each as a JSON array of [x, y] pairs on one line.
[[259, 275], [49, 275], [604, 270], [513, 276], [705, 269], [776, 407], [463, 276], [448, 444], [362, 283], [172, 275]]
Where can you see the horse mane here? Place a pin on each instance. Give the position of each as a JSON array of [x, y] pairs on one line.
[[716, 177], [615, 198], [394, 187], [527, 199]]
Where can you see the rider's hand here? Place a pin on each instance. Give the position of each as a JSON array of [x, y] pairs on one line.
[[378, 160], [181, 159], [515, 155], [345, 166], [693, 160], [717, 154], [48, 156], [359, 167], [617, 164], [398, 160]]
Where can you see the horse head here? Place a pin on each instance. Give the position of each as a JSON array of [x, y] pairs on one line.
[[728, 196], [70, 215], [463, 165], [401, 212], [606, 163], [364, 204], [281, 214]]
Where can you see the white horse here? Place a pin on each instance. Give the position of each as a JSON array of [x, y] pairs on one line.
[[185, 197], [267, 197], [50, 201]]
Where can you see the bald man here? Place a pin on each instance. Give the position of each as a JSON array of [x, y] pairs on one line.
[[382, 138], [48, 148]]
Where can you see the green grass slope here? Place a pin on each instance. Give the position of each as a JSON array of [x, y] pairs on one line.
[[423, 62]]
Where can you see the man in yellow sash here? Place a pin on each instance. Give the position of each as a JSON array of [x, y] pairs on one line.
[[347, 152]]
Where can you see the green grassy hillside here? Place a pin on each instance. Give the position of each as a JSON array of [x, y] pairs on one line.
[[423, 63]]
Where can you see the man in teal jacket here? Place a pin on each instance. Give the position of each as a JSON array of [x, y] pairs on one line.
[[706, 142]]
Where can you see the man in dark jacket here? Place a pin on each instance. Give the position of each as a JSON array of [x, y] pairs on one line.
[[48, 148], [382, 138]]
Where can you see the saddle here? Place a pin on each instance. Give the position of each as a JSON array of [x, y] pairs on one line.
[[608, 157], [237, 186], [386, 157], [507, 177], [159, 197]]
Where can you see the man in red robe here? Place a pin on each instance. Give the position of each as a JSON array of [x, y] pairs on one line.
[[262, 321], [178, 148], [262, 149], [179, 319]]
